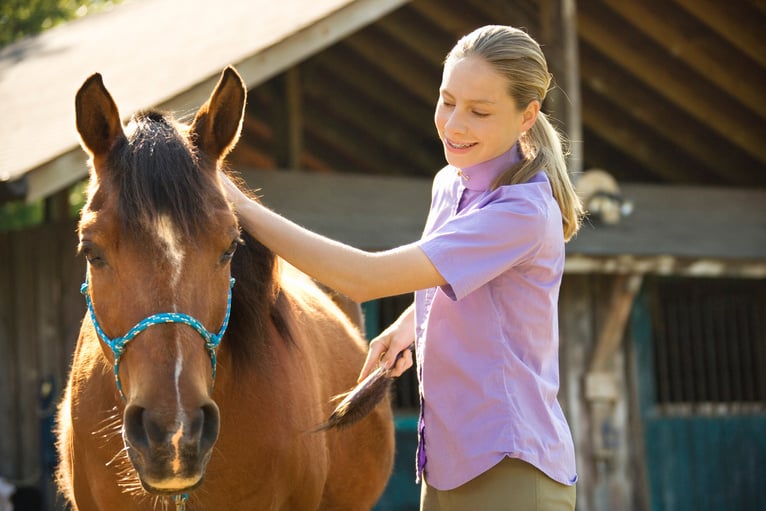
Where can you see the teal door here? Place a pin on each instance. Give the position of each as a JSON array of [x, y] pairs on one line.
[[700, 355]]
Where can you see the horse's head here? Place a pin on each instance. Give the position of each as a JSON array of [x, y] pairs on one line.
[[158, 235]]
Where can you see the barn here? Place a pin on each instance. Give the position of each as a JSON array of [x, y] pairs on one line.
[[663, 336]]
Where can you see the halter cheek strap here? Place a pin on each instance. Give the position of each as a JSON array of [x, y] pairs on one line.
[[119, 344]]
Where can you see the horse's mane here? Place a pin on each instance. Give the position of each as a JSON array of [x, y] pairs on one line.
[[159, 173], [257, 289]]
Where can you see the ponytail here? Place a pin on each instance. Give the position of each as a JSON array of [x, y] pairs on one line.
[[541, 148]]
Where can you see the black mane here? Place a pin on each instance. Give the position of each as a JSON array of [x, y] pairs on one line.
[[158, 173]]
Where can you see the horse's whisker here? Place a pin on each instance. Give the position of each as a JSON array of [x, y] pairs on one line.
[[122, 453]]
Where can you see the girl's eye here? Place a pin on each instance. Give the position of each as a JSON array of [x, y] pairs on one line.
[[480, 114]]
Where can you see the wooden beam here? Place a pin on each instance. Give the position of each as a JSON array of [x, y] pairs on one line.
[[523, 14], [288, 119], [579, 264], [739, 22], [322, 202], [665, 119], [624, 290], [602, 154], [692, 42], [558, 34], [377, 86], [409, 70], [418, 34], [601, 116], [458, 19], [603, 29], [323, 148], [423, 153]]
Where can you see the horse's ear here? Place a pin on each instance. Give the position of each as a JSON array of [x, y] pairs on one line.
[[218, 122], [98, 120]]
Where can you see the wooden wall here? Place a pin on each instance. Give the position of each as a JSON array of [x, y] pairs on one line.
[[606, 480], [40, 312]]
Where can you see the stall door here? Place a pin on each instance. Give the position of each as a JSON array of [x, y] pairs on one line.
[[700, 348]]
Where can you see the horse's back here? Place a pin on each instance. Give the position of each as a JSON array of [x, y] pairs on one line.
[[361, 456]]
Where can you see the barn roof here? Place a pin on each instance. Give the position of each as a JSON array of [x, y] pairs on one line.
[[152, 53]]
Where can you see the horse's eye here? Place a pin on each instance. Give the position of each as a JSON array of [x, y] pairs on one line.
[[93, 255], [229, 252]]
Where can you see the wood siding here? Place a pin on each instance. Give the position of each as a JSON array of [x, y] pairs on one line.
[[40, 313]]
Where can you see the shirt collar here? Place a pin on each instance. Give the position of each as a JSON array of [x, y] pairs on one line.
[[480, 177]]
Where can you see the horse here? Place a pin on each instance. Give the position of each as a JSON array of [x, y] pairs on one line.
[[203, 362]]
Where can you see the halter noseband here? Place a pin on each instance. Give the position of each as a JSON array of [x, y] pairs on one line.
[[118, 344]]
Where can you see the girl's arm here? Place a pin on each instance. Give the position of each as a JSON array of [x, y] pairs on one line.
[[358, 274]]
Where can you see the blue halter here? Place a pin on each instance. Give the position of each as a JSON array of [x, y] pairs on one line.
[[118, 344]]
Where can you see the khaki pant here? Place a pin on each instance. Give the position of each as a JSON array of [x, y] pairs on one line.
[[511, 485]]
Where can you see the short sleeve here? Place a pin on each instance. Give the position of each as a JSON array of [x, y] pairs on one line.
[[476, 246]]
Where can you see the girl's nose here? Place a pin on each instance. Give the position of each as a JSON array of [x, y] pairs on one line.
[[454, 123]]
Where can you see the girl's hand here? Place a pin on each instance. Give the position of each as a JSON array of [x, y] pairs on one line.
[[236, 196], [391, 349]]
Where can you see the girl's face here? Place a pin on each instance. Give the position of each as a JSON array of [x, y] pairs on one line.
[[476, 118]]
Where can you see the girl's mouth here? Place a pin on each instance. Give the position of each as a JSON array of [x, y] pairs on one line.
[[458, 147]]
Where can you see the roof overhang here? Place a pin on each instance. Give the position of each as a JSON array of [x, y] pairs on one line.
[[152, 53]]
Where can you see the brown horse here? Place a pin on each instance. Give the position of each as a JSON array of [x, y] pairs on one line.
[[165, 404]]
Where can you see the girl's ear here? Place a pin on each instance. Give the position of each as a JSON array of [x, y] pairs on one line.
[[530, 115]]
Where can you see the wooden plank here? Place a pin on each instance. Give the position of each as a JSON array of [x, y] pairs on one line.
[[288, 123], [558, 35], [683, 222], [738, 22], [624, 289], [641, 57], [663, 118], [24, 259], [8, 370], [459, 19], [575, 341], [375, 86], [409, 70], [72, 275], [601, 154], [692, 42], [658, 155], [368, 212], [418, 34], [342, 101], [524, 14]]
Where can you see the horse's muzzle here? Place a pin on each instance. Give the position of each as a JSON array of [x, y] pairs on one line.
[[170, 451]]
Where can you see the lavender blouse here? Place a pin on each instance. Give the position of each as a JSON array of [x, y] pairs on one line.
[[487, 343]]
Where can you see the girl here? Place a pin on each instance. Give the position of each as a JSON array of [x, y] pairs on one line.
[[486, 276]]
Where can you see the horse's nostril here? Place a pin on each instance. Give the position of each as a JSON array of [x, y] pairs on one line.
[[135, 432], [210, 425]]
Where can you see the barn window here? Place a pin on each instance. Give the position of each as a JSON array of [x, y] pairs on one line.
[[709, 344]]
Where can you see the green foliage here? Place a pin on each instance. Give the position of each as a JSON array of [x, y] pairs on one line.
[[18, 215], [19, 18]]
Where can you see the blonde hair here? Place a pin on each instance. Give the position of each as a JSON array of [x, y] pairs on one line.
[[518, 57]]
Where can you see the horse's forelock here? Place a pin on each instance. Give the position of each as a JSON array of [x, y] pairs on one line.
[[158, 175]]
